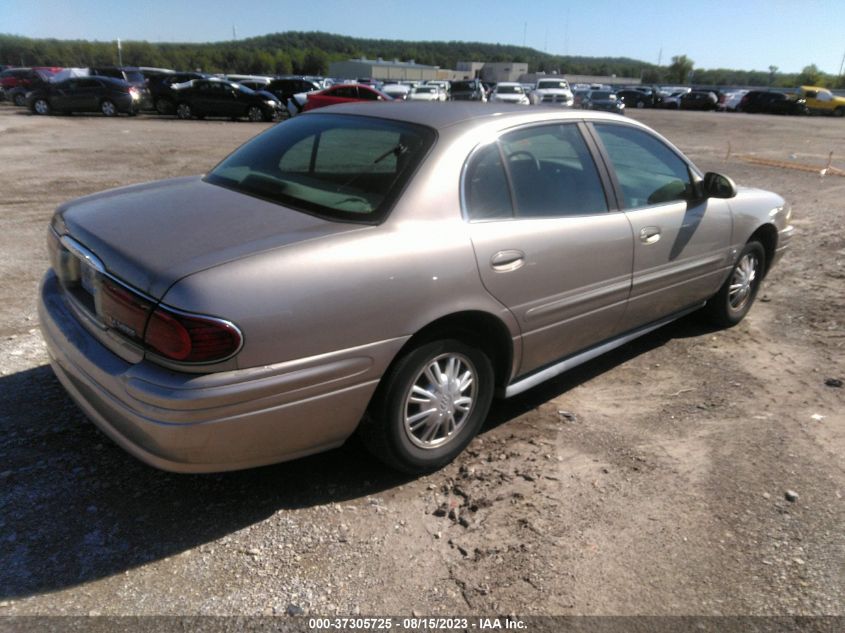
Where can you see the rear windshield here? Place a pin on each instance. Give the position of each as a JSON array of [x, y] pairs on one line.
[[340, 167]]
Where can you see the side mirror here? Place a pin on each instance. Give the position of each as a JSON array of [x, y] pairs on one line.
[[717, 186]]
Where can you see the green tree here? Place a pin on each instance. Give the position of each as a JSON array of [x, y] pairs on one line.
[[810, 76], [680, 69]]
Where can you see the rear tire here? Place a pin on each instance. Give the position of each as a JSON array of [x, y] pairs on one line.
[[164, 106], [840, 111], [255, 114], [19, 100], [734, 299], [429, 406]]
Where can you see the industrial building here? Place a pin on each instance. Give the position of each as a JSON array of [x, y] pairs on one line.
[[494, 72], [383, 70]]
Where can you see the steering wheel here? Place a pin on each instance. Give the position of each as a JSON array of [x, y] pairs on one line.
[[526, 154]]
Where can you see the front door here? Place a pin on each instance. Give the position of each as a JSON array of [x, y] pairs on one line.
[[681, 242]]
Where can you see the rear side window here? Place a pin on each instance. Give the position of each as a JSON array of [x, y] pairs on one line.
[[488, 196], [347, 168], [648, 171], [537, 172]]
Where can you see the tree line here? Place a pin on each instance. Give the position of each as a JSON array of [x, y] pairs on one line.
[[311, 53]]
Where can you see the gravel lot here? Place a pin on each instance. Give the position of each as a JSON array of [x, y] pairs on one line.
[[650, 481]]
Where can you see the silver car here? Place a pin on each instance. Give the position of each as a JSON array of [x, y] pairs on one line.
[[385, 269]]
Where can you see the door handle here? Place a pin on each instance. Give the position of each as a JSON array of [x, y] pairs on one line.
[[506, 261], [649, 234]]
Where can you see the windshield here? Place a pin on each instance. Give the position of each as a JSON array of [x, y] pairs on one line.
[[134, 76], [340, 167], [547, 85], [510, 90], [595, 94]]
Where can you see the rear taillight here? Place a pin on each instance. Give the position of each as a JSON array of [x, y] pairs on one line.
[[176, 336], [123, 310], [190, 338]]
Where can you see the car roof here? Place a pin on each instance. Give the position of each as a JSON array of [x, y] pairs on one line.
[[451, 113]]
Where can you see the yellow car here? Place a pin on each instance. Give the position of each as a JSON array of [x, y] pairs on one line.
[[823, 101]]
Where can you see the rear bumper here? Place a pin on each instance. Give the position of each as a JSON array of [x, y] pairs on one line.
[[209, 422]]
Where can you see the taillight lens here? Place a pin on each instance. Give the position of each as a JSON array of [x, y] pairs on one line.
[[176, 336], [190, 338]]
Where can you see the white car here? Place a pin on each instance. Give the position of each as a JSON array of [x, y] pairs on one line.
[[553, 92], [445, 86], [397, 91], [427, 92], [732, 100], [509, 92]]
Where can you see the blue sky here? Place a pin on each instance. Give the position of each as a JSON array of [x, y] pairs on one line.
[[742, 34]]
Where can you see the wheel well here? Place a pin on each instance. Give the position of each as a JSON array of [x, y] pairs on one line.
[[767, 235], [473, 327]]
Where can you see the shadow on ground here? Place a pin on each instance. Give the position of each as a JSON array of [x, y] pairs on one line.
[[75, 508]]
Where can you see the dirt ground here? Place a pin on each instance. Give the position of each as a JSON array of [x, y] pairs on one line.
[[650, 481]]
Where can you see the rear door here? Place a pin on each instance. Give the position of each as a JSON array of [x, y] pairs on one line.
[[548, 244], [681, 243]]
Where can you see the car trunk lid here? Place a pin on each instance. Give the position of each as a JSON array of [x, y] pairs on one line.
[[151, 235]]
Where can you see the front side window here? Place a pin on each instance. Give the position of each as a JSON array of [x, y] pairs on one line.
[[340, 167], [648, 172]]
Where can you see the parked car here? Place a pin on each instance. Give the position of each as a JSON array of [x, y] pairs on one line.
[[161, 89], [17, 95], [445, 86], [396, 91], [672, 101], [427, 93], [774, 103], [823, 101], [509, 92], [636, 98], [604, 100], [315, 283], [732, 100], [344, 93], [699, 100], [131, 75], [468, 90], [85, 94], [286, 87], [553, 91], [221, 98], [16, 82]]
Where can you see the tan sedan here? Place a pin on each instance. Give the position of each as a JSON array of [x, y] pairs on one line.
[[385, 269]]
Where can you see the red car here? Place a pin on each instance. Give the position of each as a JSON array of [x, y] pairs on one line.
[[344, 93], [13, 77]]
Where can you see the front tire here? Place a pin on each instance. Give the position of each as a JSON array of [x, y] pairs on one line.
[[255, 114], [734, 299], [429, 406], [41, 106], [840, 111], [108, 108], [183, 111]]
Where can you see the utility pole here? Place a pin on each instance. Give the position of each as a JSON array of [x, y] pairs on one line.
[[524, 32], [234, 32], [119, 53], [660, 56], [842, 64]]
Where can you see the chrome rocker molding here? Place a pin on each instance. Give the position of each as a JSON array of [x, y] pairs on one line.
[[532, 380]]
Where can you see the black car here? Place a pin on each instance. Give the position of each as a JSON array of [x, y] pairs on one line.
[[636, 98], [766, 102], [217, 97], [285, 87], [470, 90], [129, 74], [602, 100], [699, 100], [161, 91], [85, 94]]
